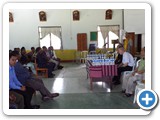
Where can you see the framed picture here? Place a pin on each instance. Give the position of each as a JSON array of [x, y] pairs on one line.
[[108, 14], [10, 17], [76, 15], [93, 36], [42, 16]]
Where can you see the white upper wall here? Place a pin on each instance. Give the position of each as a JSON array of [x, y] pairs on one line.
[[134, 20], [24, 30]]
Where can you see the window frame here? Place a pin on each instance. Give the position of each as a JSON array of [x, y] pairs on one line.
[[104, 40], [39, 34]]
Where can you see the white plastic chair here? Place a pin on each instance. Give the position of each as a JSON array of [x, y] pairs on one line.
[[123, 74], [78, 56], [83, 57], [140, 86]]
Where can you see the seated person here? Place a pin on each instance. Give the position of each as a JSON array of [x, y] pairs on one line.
[[30, 65], [126, 65], [32, 54], [44, 48], [17, 49], [16, 86], [129, 82], [10, 51], [24, 57], [26, 78], [49, 57], [43, 62], [16, 100], [53, 56], [118, 60]]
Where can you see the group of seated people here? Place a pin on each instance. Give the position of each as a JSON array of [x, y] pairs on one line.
[[45, 58], [126, 62], [22, 81]]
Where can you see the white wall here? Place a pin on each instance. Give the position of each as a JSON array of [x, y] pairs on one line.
[[134, 20], [24, 30]]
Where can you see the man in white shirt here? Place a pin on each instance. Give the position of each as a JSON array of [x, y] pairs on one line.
[[126, 65]]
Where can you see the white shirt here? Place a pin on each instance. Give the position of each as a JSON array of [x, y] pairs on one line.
[[54, 54], [128, 58]]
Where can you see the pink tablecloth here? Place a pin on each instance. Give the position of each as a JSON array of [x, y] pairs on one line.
[[102, 70], [101, 73]]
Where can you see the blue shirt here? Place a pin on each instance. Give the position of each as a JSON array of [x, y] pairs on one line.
[[13, 81], [22, 73]]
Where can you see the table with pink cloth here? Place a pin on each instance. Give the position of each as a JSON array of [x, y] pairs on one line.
[[102, 73]]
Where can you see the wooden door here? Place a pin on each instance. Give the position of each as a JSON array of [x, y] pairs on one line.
[[139, 43], [81, 41], [131, 42]]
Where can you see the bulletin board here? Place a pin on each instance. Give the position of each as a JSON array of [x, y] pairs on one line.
[[93, 36]]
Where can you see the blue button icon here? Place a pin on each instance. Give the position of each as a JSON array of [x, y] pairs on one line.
[[147, 99]]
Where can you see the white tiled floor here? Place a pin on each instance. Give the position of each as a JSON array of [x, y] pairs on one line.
[[73, 79], [74, 91]]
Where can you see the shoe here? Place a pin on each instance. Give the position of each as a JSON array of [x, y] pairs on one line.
[[60, 67], [35, 106], [128, 95], [54, 95], [46, 98]]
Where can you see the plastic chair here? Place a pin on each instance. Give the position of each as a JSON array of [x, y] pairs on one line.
[[123, 74], [83, 56], [78, 57], [140, 86]]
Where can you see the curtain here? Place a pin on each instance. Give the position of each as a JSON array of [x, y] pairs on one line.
[[114, 29], [105, 31], [54, 30], [44, 32]]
